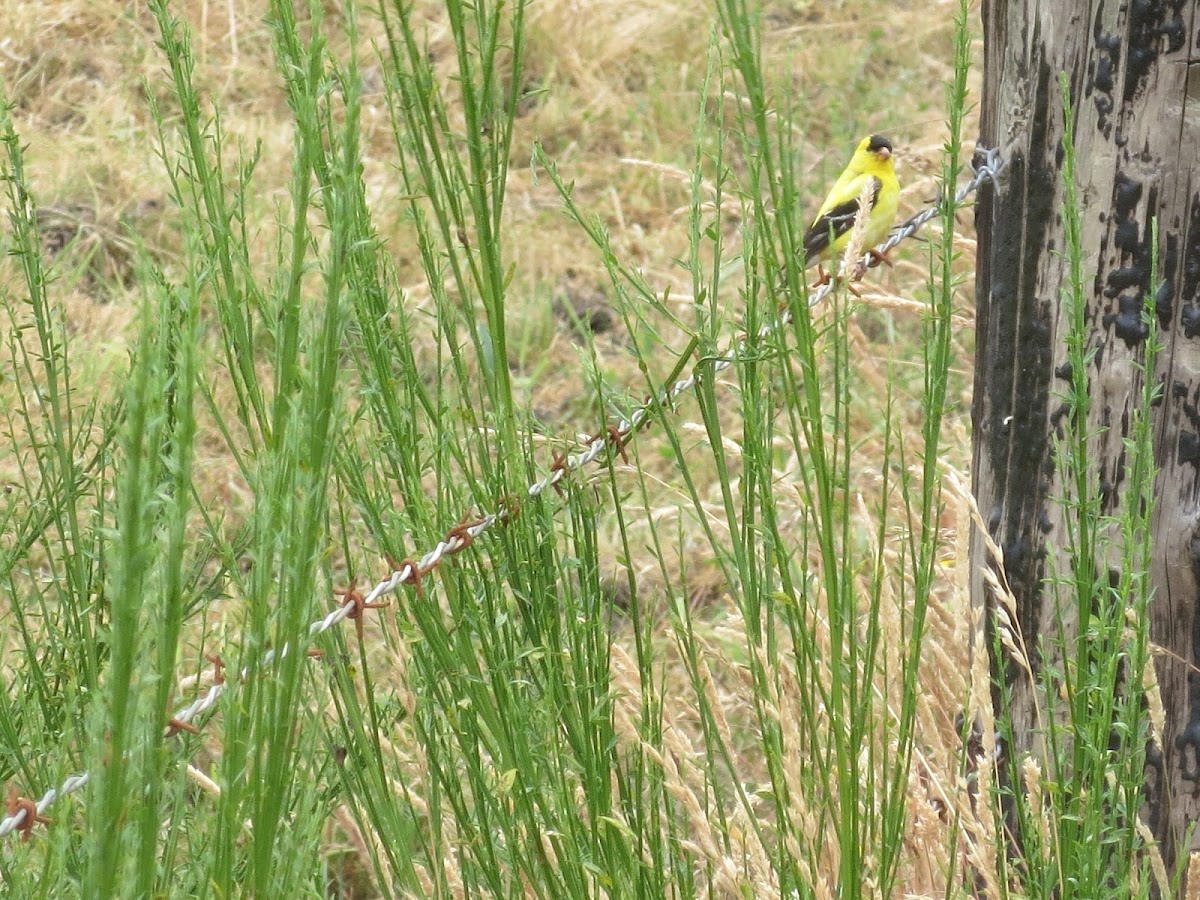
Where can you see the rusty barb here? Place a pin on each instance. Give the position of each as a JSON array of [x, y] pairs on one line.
[[23, 813]]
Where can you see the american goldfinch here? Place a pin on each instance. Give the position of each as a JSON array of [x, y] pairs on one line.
[[872, 165]]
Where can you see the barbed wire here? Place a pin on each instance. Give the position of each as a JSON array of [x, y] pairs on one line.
[[24, 813]]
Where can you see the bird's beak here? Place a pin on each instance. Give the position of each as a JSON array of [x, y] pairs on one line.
[[884, 154]]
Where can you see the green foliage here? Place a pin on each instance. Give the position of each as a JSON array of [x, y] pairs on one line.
[[519, 721]]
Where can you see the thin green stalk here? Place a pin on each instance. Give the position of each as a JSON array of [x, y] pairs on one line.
[[923, 527]]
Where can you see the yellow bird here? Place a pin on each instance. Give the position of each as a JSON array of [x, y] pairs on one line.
[[872, 165]]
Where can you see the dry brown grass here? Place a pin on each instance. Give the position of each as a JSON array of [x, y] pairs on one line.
[[618, 86]]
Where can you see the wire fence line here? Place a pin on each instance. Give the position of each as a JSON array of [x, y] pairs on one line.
[[23, 813]]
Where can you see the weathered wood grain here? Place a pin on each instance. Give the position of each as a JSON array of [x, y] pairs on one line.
[[1134, 70]]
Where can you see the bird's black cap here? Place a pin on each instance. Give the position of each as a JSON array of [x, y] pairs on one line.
[[879, 142]]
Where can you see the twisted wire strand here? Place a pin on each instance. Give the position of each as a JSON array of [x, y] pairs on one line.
[[987, 167]]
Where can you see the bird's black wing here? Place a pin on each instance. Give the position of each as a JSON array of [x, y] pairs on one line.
[[834, 223]]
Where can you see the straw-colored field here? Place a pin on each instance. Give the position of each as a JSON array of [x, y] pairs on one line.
[[614, 96], [614, 91]]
